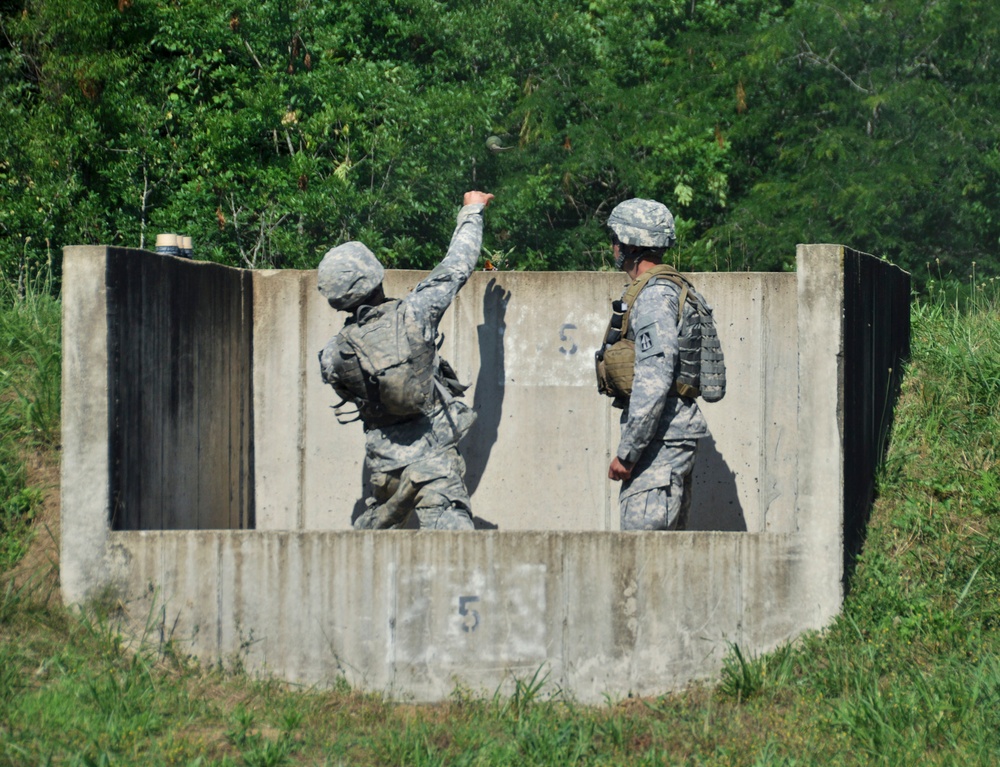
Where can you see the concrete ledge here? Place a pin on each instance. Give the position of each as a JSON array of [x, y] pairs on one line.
[[415, 615]]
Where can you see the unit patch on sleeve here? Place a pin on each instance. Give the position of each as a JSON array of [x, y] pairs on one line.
[[647, 342]]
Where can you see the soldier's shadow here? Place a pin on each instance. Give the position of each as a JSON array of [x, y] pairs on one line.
[[715, 503], [489, 392]]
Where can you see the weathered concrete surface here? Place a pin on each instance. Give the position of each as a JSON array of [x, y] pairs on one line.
[[85, 471], [414, 614], [537, 457], [180, 375], [876, 332]]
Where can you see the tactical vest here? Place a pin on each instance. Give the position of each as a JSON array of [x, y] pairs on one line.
[[702, 368], [385, 366]]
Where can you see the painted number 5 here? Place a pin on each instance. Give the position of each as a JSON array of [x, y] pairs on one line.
[[470, 617], [567, 340]]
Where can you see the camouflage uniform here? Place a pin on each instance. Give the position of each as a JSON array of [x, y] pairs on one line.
[[415, 466], [659, 431]]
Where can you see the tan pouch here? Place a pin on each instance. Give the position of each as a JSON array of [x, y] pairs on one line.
[[616, 369]]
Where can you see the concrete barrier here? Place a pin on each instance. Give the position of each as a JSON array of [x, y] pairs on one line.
[[262, 563]]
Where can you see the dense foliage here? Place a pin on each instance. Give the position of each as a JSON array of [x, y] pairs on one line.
[[269, 131]]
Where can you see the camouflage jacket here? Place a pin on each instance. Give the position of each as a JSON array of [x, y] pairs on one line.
[[392, 447], [652, 415]]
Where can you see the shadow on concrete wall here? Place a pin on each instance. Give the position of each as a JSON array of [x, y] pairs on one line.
[[718, 507], [179, 388], [359, 505], [489, 391]]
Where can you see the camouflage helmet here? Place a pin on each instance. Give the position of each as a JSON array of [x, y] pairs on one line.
[[643, 223], [348, 274]]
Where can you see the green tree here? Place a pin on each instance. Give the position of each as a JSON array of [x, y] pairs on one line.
[[270, 131], [871, 124], [273, 130], [634, 102]]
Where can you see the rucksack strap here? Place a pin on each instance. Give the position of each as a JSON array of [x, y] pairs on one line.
[[342, 416], [660, 270]]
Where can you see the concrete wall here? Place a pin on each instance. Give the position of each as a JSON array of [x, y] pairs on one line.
[[537, 457], [547, 583], [415, 614]]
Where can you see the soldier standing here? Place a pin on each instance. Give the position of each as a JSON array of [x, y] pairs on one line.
[[412, 419], [659, 428]]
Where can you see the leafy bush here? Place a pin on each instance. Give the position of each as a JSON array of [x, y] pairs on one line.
[[272, 131]]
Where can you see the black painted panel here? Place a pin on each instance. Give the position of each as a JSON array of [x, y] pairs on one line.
[[876, 346], [180, 378]]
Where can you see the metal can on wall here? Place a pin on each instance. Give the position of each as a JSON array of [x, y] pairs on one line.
[[166, 244]]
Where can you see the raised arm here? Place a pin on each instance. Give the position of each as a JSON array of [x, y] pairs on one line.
[[434, 294]]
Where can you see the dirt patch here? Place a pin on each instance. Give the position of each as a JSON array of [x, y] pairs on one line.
[[38, 570]]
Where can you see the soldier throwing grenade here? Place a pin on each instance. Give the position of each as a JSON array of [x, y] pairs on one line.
[[385, 362]]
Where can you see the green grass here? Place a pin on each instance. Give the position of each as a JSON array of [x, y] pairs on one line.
[[30, 365], [908, 674]]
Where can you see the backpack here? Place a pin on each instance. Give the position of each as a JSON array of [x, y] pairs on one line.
[[702, 368], [385, 366]]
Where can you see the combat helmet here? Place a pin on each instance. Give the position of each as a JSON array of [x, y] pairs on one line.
[[348, 274], [643, 224]]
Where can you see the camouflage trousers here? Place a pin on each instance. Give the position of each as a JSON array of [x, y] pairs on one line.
[[658, 497], [433, 489]]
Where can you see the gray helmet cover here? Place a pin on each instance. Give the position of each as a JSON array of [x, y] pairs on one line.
[[643, 223], [348, 274]]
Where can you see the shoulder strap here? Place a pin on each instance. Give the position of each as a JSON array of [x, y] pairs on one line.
[[660, 270], [367, 313]]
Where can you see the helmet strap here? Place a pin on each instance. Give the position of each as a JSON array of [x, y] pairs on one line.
[[374, 298], [629, 253]]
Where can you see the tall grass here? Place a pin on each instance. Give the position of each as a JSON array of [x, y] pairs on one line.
[[911, 667], [30, 369], [908, 674]]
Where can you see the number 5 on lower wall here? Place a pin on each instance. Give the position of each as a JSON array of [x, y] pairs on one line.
[[470, 618]]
